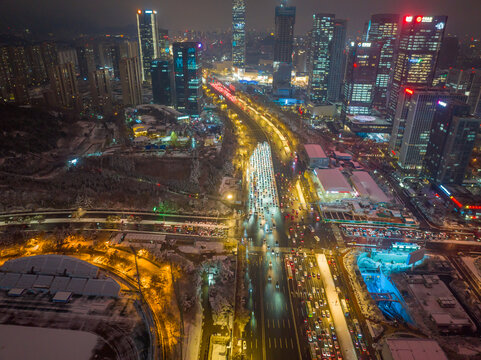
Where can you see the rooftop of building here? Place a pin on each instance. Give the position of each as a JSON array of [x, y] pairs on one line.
[[315, 151], [366, 186], [415, 349], [332, 180]]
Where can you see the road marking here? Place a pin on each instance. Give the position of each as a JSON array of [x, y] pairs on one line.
[[278, 324], [292, 344], [286, 342], [280, 342], [269, 343], [256, 343], [268, 323], [289, 323], [283, 323], [275, 343]]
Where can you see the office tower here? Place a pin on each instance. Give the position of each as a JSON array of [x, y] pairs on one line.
[[238, 33], [413, 121], [187, 77], [38, 72], [417, 53], [321, 37], [63, 84], [86, 60], [466, 82], [337, 63], [383, 28], [448, 54], [131, 81], [101, 91], [283, 39], [451, 143], [147, 30], [162, 81], [164, 45], [361, 73]]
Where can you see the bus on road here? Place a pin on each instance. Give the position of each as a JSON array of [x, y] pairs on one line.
[[344, 307]]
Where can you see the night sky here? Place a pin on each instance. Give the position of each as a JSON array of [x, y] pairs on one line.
[[85, 15]]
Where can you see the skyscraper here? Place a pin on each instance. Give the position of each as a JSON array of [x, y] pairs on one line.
[[38, 72], [337, 63], [63, 84], [448, 54], [162, 81], [419, 44], [451, 143], [131, 80], [383, 28], [412, 123], [238, 33], [188, 77], [322, 33], [283, 42], [360, 80], [467, 82], [101, 91], [148, 33]]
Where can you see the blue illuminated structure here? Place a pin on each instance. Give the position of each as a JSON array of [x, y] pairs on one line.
[[187, 77]]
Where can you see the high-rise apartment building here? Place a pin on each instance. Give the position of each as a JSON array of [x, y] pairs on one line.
[[86, 60], [337, 63], [37, 69], [148, 34], [63, 85], [101, 91], [188, 77], [359, 86], [162, 81], [413, 121], [419, 43], [451, 143], [131, 81], [238, 33], [384, 29], [321, 37], [283, 44]]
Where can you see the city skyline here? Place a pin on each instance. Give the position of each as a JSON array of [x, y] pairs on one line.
[[86, 17]]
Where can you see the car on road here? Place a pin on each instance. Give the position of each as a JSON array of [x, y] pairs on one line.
[[244, 345]]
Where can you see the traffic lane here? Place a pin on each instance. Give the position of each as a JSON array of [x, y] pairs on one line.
[[253, 333]]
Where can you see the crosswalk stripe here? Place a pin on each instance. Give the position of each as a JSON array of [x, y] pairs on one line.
[[269, 343], [275, 343], [280, 343], [286, 342], [292, 344], [278, 324], [289, 323], [268, 323]]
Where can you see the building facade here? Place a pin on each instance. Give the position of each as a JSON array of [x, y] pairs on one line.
[[131, 81], [321, 37], [383, 28], [148, 34], [238, 33], [359, 86], [412, 124], [337, 64], [162, 81], [452, 138], [188, 77], [285, 19], [63, 84], [419, 43], [101, 91]]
